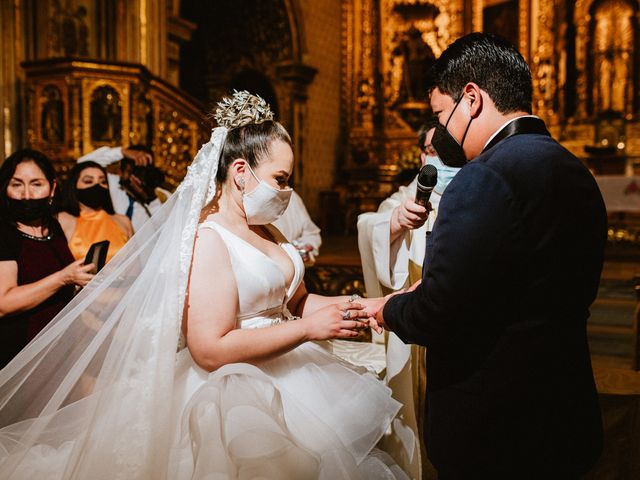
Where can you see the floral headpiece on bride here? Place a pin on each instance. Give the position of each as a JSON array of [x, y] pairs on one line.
[[243, 108]]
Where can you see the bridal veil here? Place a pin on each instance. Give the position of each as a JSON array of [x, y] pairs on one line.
[[94, 388]]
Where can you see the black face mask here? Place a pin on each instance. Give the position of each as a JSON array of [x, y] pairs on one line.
[[27, 211], [449, 150], [96, 197]]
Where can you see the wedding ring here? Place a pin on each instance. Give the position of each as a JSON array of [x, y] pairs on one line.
[[353, 298], [346, 315]]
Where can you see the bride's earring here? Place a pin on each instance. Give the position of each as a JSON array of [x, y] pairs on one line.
[[240, 182]]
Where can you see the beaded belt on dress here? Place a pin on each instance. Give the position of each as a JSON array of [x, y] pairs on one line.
[[279, 313]]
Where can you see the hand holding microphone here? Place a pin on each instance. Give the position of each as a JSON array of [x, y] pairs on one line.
[[413, 214]]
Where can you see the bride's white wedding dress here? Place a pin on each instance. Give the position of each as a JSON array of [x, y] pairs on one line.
[[102, 394], [304, 414]]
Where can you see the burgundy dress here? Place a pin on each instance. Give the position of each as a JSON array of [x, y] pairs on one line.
[[36, 259]]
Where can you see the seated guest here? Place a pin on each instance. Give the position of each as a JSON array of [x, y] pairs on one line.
[[37, 272], [137, 192], [297, 227], [87, 212]]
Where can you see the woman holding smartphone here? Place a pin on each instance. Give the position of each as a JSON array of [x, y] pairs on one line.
[[38, 274]]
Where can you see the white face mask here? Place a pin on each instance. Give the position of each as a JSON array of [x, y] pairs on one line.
[[264, 204], [445, 173]]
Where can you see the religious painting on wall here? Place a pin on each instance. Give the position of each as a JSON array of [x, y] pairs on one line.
[[417, 57], [501, 18], [52, 115], [411, 43], [106, 116]]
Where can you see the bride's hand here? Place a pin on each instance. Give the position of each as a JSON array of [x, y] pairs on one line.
[[340, 320]]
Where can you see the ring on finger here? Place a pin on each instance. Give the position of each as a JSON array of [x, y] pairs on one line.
[[346, 315], [354, 297]]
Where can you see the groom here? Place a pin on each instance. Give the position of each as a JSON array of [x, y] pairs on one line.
[[511, 268]]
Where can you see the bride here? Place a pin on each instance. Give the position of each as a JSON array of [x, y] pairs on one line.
[[249, 392]]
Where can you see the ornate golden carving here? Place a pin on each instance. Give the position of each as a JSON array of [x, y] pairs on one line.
[[524, 29], [612, 50], [582, 19], [68, 30], [543, 61], [604, 61], [51, 112], [504, 21], [176, 139], [130, 103], [477, 8], [387, 44], [365, 63], [410, 32], [424, 29], [143, 32], [116, 113]]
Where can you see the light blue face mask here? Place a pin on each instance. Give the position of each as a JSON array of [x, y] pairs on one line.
[[445, 173]]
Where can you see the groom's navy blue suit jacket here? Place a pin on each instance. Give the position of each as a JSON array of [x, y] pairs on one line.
[[511, 268]]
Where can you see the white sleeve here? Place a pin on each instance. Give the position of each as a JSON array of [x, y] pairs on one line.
[[119, 197], [309, 231], [103, 156], [389, 262]]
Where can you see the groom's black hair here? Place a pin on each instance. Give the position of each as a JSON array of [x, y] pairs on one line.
[[489, 61], [252, 143]]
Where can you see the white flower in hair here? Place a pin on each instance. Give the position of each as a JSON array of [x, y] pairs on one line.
[[243, 108]]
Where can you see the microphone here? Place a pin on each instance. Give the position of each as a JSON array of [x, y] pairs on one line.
[[427, 179]]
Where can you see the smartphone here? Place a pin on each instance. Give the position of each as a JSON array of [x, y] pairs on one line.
[[97, 254]]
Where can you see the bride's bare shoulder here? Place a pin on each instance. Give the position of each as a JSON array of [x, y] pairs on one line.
[[210, 254], [209, 234]]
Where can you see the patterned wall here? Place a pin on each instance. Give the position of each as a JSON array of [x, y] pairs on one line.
[[321, 23]]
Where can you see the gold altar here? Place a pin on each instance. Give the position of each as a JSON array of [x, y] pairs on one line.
[[76, 106], [584, 58]]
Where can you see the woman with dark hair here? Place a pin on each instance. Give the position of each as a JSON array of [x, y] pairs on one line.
[[87, 212], [37, 271]]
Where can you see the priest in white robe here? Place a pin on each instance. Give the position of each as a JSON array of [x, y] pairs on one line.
[[392, 246]]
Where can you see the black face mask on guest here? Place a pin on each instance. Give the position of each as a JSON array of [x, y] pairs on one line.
[[449, 150], [27, 211], [96, 197]]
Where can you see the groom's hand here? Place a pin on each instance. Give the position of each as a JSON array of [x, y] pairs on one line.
[[378, 323], [372, 305]]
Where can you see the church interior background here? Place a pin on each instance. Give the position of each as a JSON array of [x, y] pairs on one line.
[[346, 77]]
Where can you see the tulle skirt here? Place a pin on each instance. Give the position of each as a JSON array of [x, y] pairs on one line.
[[305, 415]]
